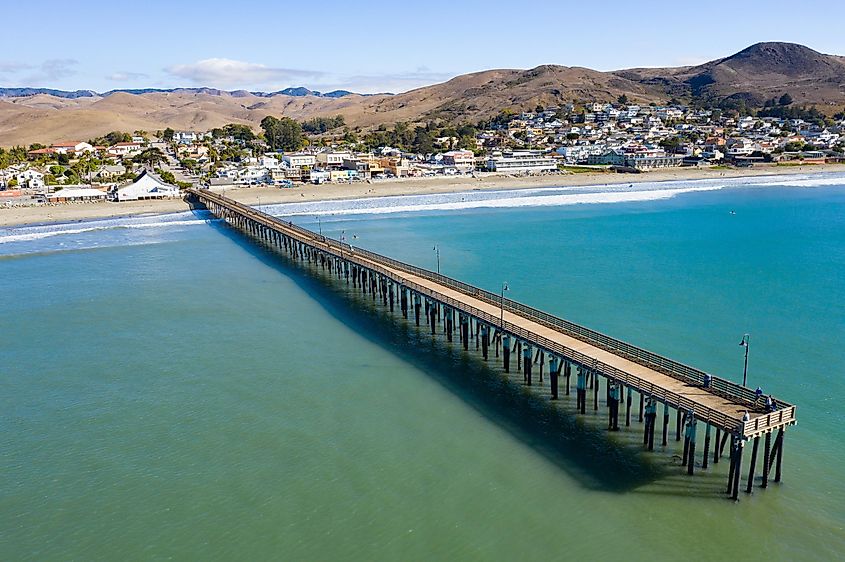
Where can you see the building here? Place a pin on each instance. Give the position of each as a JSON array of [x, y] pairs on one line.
[[32, 179], [122, 149], [521, 162], [463, 160], [649, 161], [332, 159], [299, 160], [146, 186], [71, 147], [76, 193]]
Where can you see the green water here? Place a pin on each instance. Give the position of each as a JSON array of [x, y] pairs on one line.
[[178, 392]]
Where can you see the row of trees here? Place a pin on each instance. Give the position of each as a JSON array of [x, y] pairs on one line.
[[422, 139], [319, 125]]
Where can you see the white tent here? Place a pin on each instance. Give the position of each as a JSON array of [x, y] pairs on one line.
[[147, 186]]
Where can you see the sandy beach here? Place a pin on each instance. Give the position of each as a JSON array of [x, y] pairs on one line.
[[70, 212]]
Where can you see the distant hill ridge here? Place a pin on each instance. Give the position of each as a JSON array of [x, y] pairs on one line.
[[746, 79], [23, 92]]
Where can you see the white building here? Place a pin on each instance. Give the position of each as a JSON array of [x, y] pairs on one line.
[[33, 179], [123, 149], [76, 193], [332, 159], [71, 147], [521, 162], [147, 186], [299, 160]]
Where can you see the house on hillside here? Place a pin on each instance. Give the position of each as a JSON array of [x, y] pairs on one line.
[[122, 149], [71, 147], [146, 186]]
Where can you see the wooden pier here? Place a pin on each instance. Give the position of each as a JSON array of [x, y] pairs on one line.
[[530, 338]]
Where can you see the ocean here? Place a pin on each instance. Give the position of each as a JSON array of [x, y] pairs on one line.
[[170, 389]]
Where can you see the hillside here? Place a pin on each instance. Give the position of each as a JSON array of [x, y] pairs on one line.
[[755, 74]]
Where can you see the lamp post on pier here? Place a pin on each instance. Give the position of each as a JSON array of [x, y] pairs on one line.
[[745, 342], [502, 305], [437, 251]]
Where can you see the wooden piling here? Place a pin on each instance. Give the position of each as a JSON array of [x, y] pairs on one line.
[[506, 352], [738, 469], [692, 436], [750, 484], [766, 452], [779, 444]]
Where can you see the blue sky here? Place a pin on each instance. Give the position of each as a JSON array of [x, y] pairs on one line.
[[377, 46]]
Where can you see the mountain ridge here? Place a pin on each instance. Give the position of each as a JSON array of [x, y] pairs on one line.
[[746, 79], [73, 94]]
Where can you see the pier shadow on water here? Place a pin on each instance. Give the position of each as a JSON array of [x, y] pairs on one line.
[[582, 449]]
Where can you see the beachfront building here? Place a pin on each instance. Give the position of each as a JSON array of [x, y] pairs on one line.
[[32, 179], [146, 186], [76, 193], [299, 160], [521, 162], [332, 159], [463, 160]]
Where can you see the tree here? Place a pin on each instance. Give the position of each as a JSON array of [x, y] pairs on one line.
[[622, 100], [151, 157], [167, 135], [350, 137], [116, 136], [166, 177], [239, 132], [322, 124], [785, 99], [794, 146], [282, 134], [671, 144]]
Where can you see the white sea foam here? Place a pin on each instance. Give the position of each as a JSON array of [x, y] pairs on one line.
[[23, 234], [534, 197], [513, 200]]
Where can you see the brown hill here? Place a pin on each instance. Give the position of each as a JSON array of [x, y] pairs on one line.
[[758, 73], [755, 74]]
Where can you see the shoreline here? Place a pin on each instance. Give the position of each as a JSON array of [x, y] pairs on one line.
[[266, 195]]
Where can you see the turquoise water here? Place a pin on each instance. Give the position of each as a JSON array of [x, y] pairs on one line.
[[169, 390]]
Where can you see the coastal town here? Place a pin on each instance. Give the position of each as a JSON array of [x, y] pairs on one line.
[[617, 137]]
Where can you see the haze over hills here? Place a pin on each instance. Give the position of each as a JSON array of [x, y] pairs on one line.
[[755, 74]]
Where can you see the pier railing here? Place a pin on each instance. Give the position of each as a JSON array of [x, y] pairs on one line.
[[618, 347]]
